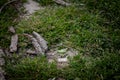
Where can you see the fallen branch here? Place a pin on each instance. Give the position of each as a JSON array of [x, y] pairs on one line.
[[61, 2], [6, 4], [14, 42], [41, 41], [35, 44]]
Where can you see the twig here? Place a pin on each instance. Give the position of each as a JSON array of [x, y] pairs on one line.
[[6, 4]]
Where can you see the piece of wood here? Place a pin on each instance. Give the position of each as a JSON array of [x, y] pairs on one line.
[[41, 41], [14, 42], [61, 2], [35, 44], [12, 30], [32, 52]]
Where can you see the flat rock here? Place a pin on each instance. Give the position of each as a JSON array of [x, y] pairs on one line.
[[65, 60]]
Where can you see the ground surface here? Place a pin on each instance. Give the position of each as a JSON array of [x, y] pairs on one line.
[[53, 55], [82, 46], [31, 6]]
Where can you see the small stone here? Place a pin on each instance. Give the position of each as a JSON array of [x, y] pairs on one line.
[[62, 59], [12, 30], [62, 62]]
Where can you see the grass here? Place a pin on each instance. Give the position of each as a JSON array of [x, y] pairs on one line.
[[74, 27], [87, 68], [71, 26], [31, 69], [6, 20]]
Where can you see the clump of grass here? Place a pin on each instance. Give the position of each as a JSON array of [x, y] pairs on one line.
[[81, 68], [86, 68], [36, 68], [109, 10]]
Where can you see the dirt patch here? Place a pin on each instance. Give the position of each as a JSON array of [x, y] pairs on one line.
[[61, 56], [31, 7]]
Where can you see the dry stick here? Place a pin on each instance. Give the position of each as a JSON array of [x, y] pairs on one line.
[[14, 42], [61, 2], [41, 41], [35, 44], [6, 4]]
